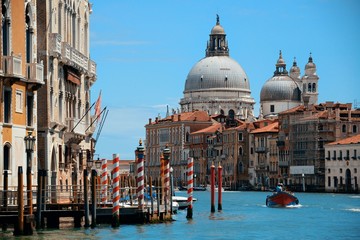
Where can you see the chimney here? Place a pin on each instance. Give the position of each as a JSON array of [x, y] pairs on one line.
[[149, 121], [179, 117], [172, 117]]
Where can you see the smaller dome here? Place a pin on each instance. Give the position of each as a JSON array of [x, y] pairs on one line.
[[280, 61], [217, 30], [294, 68], [310, 67], [280, 88]]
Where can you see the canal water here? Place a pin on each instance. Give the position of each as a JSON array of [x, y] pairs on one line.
[[244, 216]]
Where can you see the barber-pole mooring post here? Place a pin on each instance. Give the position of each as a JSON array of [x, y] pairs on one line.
[[140, 176], [104, 182], [116, 191], [190, 189], [166, 154]]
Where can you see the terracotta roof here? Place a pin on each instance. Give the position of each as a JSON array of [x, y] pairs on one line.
[[350, 140], [300, 108], [320, 115], [186, 116], [274, 127], [213, 128]]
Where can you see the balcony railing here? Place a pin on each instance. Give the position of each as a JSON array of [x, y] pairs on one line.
[[73, 57], [12, 66], [35, 72], [260, 149]]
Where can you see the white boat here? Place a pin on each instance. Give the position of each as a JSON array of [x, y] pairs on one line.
[[208, 188], [182, 201]]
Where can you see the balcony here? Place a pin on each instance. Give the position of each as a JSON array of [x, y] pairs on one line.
[[75, 130], [260, 149], [35, 73], [73, 57], [92, 69], [12, 66]]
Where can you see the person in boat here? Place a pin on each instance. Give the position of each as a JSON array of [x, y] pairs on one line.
[[279, 187]]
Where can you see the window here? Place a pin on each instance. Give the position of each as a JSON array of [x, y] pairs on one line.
[[272, 108], [340, 170], [343, 128], [314, 87], [29, 35], [7, 157], [7, 105], [240, 151], [240, 136], [19, 101], [355, 170], [328, 155], [329, 181], [329, 170], [30, 109], [334, 155], [5, 28], [309, 87], [354, 129]]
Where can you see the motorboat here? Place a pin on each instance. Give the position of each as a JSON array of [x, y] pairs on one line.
[[182, 201], [208, 188], [281, 199]]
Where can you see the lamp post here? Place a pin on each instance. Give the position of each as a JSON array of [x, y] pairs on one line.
[[29, 147]]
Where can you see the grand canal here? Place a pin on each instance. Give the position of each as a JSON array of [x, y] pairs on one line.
[[244, 216]]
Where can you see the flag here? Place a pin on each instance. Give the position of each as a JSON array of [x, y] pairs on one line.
[[98, 108]]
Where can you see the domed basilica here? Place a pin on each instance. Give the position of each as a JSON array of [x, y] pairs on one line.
[[217, 84]]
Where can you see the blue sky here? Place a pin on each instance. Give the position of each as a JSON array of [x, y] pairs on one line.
[[145, 49]]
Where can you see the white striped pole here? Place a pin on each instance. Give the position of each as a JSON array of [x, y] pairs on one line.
[[166, 154], [116, 191], [140, 176], [104, 182], [190, 173]]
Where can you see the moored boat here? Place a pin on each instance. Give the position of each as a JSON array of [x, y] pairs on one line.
[[182, 201], [281, 199]]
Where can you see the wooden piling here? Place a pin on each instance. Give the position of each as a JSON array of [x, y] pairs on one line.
[[93, 198], [212, 185], [86, 198], [219, 187], [5, 202], [151, 196], [39, 199], [19, 228]]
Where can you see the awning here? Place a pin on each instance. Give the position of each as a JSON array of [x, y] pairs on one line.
[[73, 77]]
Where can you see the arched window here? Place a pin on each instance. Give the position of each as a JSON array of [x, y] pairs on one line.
[[231, 114], [314, 87], [221, 112], [7, 156], [240, 151], [343, 128], [309, 87], [354, 128], [5, 28], [29, 34], [187, 137]]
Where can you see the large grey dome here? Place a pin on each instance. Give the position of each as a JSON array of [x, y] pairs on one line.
[[280, 88], [217, 72]]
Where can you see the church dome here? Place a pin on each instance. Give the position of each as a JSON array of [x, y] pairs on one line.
[[217, 72], [280, 88], [218, 30]]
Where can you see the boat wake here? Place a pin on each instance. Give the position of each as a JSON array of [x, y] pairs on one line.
[[295, 206], [353, 210]]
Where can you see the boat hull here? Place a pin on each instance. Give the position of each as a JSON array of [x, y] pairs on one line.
[[281, 199]]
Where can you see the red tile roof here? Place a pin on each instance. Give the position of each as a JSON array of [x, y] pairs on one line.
[[274, 127], [350, 140], [213, 128]]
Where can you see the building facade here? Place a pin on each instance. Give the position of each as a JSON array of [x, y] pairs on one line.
[[21, 75], [65, 128], [342, 165]]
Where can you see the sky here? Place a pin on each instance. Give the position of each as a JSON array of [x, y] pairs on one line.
[[145, 49]]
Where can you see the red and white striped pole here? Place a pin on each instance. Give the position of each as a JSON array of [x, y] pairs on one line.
[[140, 176], [116, 191], [212, 185], [190, 189], [219, 187], [104, 181], [166, 154]]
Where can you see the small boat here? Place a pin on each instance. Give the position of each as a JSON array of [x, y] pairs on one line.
[[281, 199], [182, 201], [208, 188]]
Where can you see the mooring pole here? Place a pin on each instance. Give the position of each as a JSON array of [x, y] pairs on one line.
[[190, 189], [219, 187], [19, 230], [116, 191], [86, 198], [93, 198], [212, 185]]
